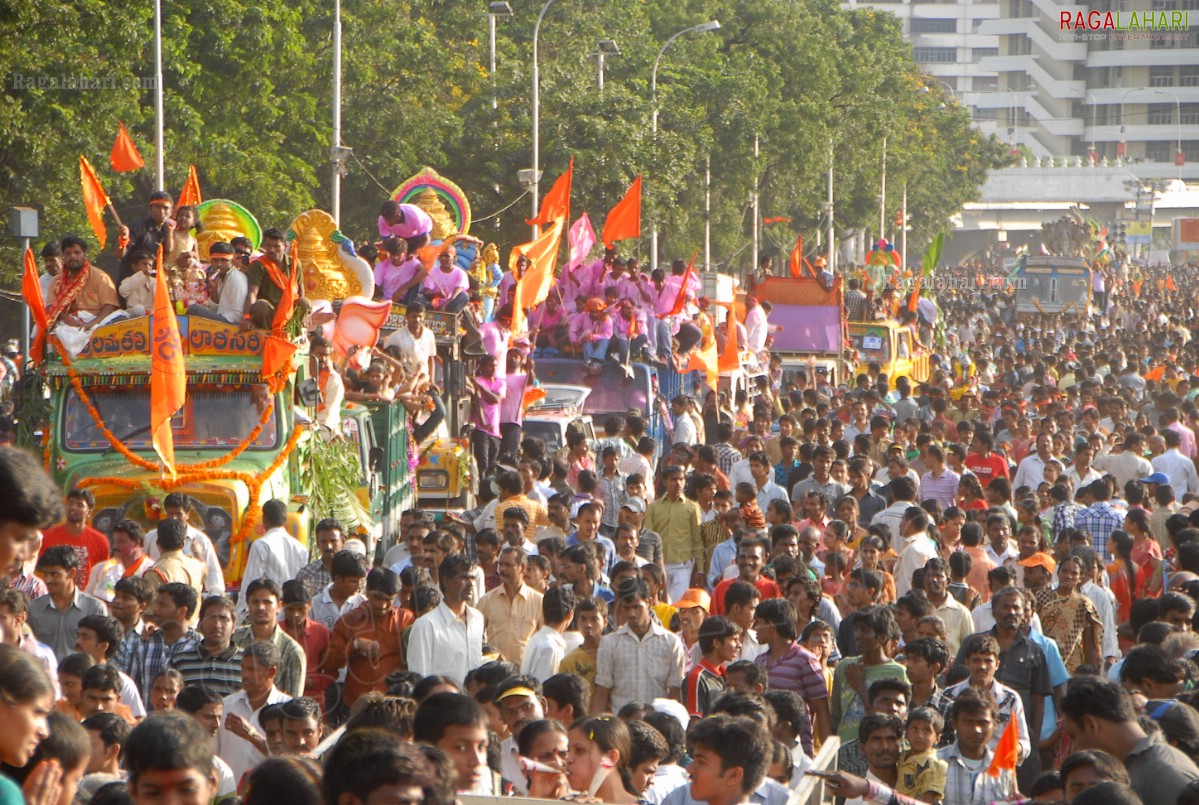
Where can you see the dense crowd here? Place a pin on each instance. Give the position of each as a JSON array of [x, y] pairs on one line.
[[984, 585]]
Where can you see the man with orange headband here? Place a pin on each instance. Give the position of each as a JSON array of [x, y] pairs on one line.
[[158, 228]]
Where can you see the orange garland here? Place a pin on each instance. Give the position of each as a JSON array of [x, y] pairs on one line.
[[134, 458], [253, 484]]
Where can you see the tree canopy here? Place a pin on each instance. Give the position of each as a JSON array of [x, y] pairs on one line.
[[248, 88]]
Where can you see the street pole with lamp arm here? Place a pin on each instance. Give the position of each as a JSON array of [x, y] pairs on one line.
[[336, 164], [535, 189], [603, 49], [1120, 145], [1178, 156], [703, 27]]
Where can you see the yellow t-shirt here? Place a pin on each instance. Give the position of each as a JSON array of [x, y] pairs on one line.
[[921, 773], [581, 662]]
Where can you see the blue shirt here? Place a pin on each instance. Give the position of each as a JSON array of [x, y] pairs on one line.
[[722, 556], [1058, 675], [608, 545]]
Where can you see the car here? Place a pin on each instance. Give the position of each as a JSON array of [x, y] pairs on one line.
[[560, 410]]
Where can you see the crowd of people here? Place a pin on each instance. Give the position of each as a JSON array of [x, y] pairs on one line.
[[984, 584]]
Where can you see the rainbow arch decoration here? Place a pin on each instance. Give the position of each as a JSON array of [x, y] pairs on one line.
[[449, 193]]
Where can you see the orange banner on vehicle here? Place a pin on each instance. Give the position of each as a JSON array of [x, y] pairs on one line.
[[168, 378]]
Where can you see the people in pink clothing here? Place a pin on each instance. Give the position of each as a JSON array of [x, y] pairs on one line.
[[487, 391], [406, 221], [597, 332], [447, 287]]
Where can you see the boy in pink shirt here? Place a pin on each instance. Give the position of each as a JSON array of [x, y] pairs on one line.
[[487, 391]]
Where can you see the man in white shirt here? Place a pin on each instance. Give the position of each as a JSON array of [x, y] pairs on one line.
[[231, 287], [547, 647], [416, 343], [1179, 468], [916, 550], [1103, 599], [449, 640], [330, 384], [275, 555], [241, 741], [684, 427], [1127, 464], [196, 543], [1031, 471]]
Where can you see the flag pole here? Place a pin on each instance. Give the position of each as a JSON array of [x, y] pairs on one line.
[[159, 169]]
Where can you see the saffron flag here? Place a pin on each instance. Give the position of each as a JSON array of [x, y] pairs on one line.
[[915, 294], [705, 358], [580, 242], [168, 380], [276, 361], [31, 289], [624, 220], [190, 196], [94, 200], [124, 157], [680, 299], [542, 253], [797, 262], [730, 359], [1156, 373], [1170, 286], [556, 203], [1007, 751], [287, 303]]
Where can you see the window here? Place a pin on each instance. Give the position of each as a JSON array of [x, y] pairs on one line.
[[1020, 45], [983, 114], [982, 53], [1190, 5], [1159, 152], [1188, 76], [935, 55], [1160, 114], [1164, 5], [988, 83], [1161, 76], [921, 25], [1190, 113]]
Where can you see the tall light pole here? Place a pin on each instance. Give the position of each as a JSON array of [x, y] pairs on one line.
[[159, 169], [1121, 145], [882, 194], [335, 162], [535, 187], [708, 212], [832, 253], [497, 9], [603, 49], [703, 27]]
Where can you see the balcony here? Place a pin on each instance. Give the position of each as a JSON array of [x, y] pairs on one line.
[[1143, 58]]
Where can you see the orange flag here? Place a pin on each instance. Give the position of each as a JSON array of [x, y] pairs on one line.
[[556, 203], [915, 300], [94, 200], [1156, 374], [680, 299], [797, 262], [624, 220], [190, 196], [706, 359], [1007, 751], [124, 157], [1170, 286], [287, 303], [168, 380], [31, 289], [730, 359], [276, 361], [534, 286]]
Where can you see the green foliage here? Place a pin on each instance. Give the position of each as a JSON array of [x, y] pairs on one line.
[[248, 95], [334, 476]]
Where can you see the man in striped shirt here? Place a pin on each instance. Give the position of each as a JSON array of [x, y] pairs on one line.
[[720, 642], [215, 661]]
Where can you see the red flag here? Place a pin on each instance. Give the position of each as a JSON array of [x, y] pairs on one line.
[[94, 200], [124, 157], [31, 289], [624, 220], [556, 203], [680, 299], [168, 380], [1007, 751], [190, 196]]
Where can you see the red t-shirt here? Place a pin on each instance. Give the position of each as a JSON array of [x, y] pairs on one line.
[[987, 469], [91, 547], [766, 587]]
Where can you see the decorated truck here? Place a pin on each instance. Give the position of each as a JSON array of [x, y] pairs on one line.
[[812, 326]]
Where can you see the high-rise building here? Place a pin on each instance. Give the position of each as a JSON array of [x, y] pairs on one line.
[[1027, 72]]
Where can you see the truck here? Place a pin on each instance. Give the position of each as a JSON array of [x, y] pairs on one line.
[[1052, 286], [893, 347], [812, 320], [238, 442]]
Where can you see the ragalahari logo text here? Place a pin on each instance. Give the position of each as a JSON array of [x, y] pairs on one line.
[[1125, 20]]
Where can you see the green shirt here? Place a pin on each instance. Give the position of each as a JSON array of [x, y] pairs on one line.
[[847, 706], [267, 289], [677, 522], [10, 792]]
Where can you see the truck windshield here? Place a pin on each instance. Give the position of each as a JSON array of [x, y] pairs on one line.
[[873, 344], [214, 417], [610, 391]]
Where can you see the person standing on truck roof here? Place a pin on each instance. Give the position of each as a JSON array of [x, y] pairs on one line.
[[197, 545], [416, 345], [266, 279]]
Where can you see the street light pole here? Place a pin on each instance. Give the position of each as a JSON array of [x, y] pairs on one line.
[[708, 212], [535, 189], [756, 209], [1178, 113], [703, 27], [882, 194], [831, 247], [603, 49], [159, 162], [335, 179]]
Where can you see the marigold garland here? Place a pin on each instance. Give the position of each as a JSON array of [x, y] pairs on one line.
[[134, 458]]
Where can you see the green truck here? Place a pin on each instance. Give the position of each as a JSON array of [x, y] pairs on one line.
[[237, 442]]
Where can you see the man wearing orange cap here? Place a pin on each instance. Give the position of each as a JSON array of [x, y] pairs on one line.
[[693, 607], [1038, 573]]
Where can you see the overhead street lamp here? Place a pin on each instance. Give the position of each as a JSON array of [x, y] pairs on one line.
[[1179, 156], [703, 27], [603, 49], [535, 184], [495, 10]]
